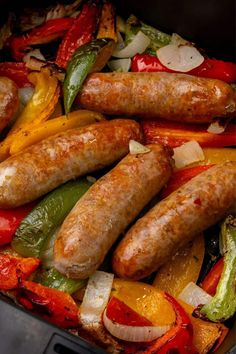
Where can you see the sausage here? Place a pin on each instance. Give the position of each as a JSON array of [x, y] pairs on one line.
[[107, 208], [175, 221], [176, 97], [59, 158], [9, 101]]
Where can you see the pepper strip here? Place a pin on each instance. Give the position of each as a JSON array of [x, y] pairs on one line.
[[53, 305], [81, 32], [14, 269], [106, 27], [10, 219], [31, 135], [181, 177], [45, 33], [176, 134], [211, 280], [38, 109], [210, 68], [18, 72]]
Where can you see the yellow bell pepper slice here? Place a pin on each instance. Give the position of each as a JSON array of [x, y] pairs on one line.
[[183, 268], [146, 300], [107, 22], [31, 135], [39, 108], [217, 155]]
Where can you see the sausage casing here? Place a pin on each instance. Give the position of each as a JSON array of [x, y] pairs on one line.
[[107, 208], [9, 101], [176, 97], [55, 160], [174, 221]]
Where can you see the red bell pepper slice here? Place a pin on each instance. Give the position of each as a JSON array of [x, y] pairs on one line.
[[10, 219], [14, 269], [17, 72], [180, 177], [81, 32], [53, 305], [119, 312], [210, 68], [45, 33], [211, 280], [179, 339], [176, 134]]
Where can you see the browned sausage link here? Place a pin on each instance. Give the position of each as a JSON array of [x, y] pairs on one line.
[[107, 209], [176, 220], [55, 160], [9, 101], [176, 97]]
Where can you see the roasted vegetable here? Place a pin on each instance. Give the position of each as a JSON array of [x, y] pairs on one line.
[[223, 304], [17, 72], [90, 57], [211, 280], [35, 230], [106, 27]]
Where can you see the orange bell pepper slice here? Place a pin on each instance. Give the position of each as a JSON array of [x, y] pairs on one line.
[[15, 269], [176, 134], [53, 305]]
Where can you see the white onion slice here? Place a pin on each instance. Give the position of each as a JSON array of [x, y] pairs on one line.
[[33, 53], [188, 153], [176, 39], [216, 128], [25, 94], [120, 65], [136, 148], [96, 297], [193, 295], [139, 43], [133, 333], [120, 24], [182, 58]]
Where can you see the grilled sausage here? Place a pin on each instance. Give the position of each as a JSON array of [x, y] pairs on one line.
[[55, 160], [9, 101], [106, 210], [176, 220], [175, 97]]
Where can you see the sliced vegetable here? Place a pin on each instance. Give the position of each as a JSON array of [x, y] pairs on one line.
[[36, 133], [193, 295], [157, 38], [181, 58], [38, 109], [206, 335], [53, 305], [175, 134], [146, 300], [96, 297], [139, 44], [183, 268], [215, 156], [53, 279], [130, 332], [45, 33], [10, 219], [37, 228], [80, 33], [223, 304], [14, 269], [211, 68], [182, 176], [106, 27], [136, 148], [211, 280], [89, 57], [17, 72], [216, 128], [120, 65], [179, 338], [187, 154]]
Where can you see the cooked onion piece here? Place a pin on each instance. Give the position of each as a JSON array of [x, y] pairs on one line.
[[139, 44], [136, 148], [188, 153], [193, 295]]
